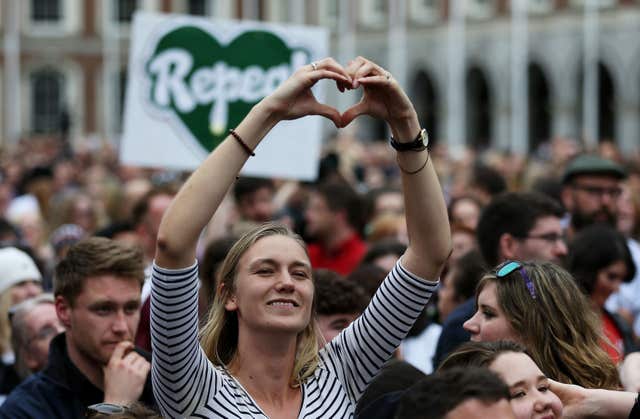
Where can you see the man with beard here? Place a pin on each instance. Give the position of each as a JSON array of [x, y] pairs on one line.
[[97, 300], [590, 190]]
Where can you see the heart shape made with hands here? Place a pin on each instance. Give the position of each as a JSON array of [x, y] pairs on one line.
[[206, 86]]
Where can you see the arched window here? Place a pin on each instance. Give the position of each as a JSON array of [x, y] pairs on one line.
[[539, 107], [47, 101], [426, 103], [478, 109], [607, 101], [606, 104]]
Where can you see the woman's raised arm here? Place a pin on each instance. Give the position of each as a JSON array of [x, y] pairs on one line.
[[202, 193], [427, 220]]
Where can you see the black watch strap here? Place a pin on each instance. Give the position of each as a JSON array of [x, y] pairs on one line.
[[418, 144]]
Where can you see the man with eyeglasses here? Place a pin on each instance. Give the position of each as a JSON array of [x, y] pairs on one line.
[[513, 226], [590, 190]]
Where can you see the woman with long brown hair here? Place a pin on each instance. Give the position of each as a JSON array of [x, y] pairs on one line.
[[539, 305], [258, 355]]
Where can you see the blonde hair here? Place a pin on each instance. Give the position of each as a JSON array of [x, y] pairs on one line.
[[219, 336], [560, 329]]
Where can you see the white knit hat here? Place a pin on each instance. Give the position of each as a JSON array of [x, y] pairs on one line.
[[15, 267]]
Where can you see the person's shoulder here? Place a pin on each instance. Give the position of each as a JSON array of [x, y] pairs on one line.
[[27, 399]]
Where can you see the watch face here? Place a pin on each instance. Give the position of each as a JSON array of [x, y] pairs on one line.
[[424, 137]]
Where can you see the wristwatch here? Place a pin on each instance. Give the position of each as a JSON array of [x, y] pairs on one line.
[[418, 144]]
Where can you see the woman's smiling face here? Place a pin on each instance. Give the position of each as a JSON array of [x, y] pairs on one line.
[[531, 397]]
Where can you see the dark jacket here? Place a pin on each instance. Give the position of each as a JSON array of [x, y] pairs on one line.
[[60, 390]]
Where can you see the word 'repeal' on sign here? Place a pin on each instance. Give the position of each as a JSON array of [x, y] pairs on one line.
[[192, 79]]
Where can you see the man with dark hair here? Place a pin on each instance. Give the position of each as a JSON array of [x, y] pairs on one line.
[[338, 302], [334, 219], [522, 226], [459, 393], [254, 199], [97, 299], [514, 225]]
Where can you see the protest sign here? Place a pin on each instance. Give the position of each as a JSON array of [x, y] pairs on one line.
[[192, 79]]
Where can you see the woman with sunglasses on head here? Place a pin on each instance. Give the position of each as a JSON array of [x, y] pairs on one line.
[[533, 394], [538, 305], [258, 355]]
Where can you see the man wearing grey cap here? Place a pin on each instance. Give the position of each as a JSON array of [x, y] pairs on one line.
[[590, 189]]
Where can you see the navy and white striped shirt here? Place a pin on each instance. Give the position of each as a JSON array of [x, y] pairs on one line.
[[187, 384]]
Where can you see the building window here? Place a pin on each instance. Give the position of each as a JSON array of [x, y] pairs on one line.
[[197, 7], [47, 101], [122, 89], [424, 11], [125, 10], [46, 10]]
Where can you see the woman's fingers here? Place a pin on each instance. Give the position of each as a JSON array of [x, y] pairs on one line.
[[328, 112], [360, 108], [321, 74], [332, 65]]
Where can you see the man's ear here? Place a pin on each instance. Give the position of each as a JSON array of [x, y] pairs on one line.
[[508, 247], [63, 310]]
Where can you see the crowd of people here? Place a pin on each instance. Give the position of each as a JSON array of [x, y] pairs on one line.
[[400, 284]]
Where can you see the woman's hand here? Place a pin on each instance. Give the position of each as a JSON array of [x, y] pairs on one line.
[[383, 98], [293, 98], [581, 402]]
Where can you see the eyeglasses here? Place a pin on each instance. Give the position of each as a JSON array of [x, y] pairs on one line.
[[104, 408], [548, 237], [511, 266], [599, 191]]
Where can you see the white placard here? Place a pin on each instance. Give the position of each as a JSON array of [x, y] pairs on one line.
[[191, 79]]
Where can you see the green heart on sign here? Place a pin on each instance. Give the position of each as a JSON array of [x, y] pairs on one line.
[[211, 87]]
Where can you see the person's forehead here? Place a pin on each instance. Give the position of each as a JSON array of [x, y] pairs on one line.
[[597, 179], [270, 248], [41, 313], [109, 287], [549, 223]]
